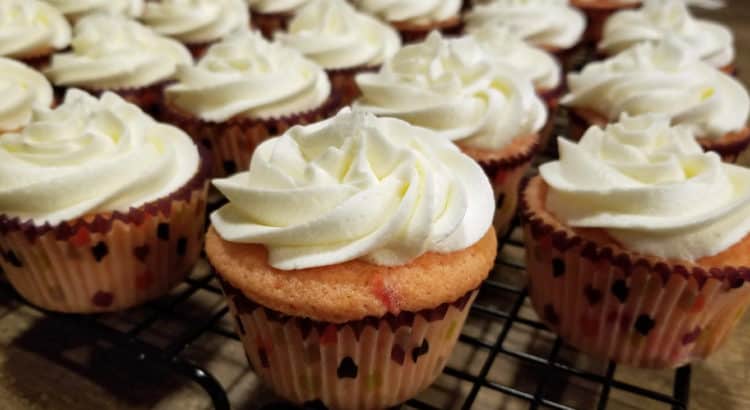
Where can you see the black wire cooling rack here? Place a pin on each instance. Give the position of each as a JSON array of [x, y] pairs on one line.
[[502, 305]]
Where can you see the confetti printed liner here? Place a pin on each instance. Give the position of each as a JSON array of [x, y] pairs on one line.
[[366, 364], [231, 143], [107, 262], [505, 175], [620, 306]]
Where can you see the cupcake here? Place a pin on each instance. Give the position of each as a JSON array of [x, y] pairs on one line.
[[341, 40], [75, 9], [244, 90], [598, 11], [713, 42], [23, 90], [637, 244], [270, 16], [350, 253], [506, 48], [667, 78], [101, 207], [31, 30], [415, 19], [196, 23], [113, 53], [550, 24], [451, 86]]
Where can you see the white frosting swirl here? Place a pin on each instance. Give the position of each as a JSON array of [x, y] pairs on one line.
[[651, 188], [112, 52], [29, 28], [334, 35], [450, 86], [663, 78], [552, 24], [23, 89], [356, 186], [276, 6], [245, 75], [196, 21], [90, 156], [410, 11], [660, 18], [75, 9], [507, 48]]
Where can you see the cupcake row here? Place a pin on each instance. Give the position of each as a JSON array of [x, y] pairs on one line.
[[355, 239]]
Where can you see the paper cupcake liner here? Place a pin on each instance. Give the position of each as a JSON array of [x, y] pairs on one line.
[[344, 85], [231, 143], [269, 23], [367, 364], [729, 146], [620, 306], [38, 62], [110, 261], [198, 50], [506, 175], [413, 33]]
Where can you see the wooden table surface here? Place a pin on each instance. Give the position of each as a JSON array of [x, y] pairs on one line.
[[47, 365]]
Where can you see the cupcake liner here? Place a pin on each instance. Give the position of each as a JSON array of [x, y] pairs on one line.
[[107, 262], [38, 62], [365, 364], [621, 306], [269, 23], [198, 50], [148, 98], [729, 146], [231, 143], [413, 33], [344, 85], [506, 174]]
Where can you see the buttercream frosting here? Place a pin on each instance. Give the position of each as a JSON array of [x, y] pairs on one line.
[[505, 47], [552, 24], [75, 9], [245, 75], [276, 6], [30, 28], [196, 21], [652, 188], [23, 89], [450, 86], [113, 52], [334, 35], [90, 156], [662, 78], [356, 186], [411, 11], [659, 18]]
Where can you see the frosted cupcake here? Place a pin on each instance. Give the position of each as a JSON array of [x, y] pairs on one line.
[[627, 259], [657, 19], [341, 40], [75, 9], [451, 86], [31, 30], [113, 53], [415, 19], [101, 207], [598, 11], [244, 90], [196, 23], [506, 48], [350, 254], [23, 90], [270, 16], [550, 24], [663, 78]]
